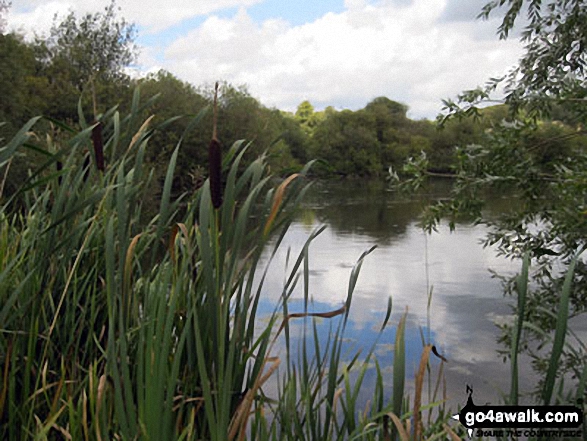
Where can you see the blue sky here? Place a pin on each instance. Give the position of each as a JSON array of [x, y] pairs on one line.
[[342, 53], [295, 12]]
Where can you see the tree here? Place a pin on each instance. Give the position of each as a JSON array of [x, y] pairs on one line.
[[304, 111], [18, 66], [347, 141], [308, 118], [97, 46], [552, 69], [294, 136], [21, 100], [90, 53], [544, 163], [390, 117], [383, 104]]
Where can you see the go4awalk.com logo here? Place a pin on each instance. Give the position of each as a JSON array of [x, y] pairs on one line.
[[521, 421]]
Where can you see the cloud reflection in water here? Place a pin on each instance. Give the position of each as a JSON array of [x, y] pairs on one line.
[[466, 300]]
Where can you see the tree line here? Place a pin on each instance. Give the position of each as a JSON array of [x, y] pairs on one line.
[[80, 70]]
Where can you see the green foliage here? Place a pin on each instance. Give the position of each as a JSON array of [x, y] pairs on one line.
[[179, 103], [305, 112], [83, 60], [532, 155], [295, 137], [80, 55], [113, 326], [368, 141], [97, 47], [240, 115], [560, 341], [346, 142], [552, 70], [16, 78], [308, 119], [87, 54]]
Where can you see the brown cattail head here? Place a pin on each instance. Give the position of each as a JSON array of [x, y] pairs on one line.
[[98, 142], [59, 165], [215, 159]]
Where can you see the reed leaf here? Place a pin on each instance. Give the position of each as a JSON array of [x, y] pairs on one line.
[[399, 366], [418, 393], [522, 288], [560, 332], [277, 201], [399, 427], [7, 151]]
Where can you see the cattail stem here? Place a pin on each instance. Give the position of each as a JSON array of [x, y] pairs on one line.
[[94, 100], [215, 114]]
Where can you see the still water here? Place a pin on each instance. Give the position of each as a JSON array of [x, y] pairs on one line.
[[466, 301]]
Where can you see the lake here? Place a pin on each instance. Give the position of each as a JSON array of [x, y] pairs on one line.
[[466, 304]]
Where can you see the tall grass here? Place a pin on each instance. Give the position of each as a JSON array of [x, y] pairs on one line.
[[119, 325], [553, 388]]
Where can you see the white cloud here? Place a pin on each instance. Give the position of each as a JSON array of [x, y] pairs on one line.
[[150, 15], [156, 15], [37, 18], [346, 59]]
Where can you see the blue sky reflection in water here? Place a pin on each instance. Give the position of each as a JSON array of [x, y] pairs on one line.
[[466, 303]]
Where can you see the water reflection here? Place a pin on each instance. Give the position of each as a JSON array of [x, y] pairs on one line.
[[466, 300]]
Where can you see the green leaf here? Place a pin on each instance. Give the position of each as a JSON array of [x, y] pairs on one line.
[[19, 139]]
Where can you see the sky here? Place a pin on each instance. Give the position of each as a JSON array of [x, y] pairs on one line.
[[340, 53]]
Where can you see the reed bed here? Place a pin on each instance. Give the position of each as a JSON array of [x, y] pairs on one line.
[[119, 324], [115, 324], [553, 389]]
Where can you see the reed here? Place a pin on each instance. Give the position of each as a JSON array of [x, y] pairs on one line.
[[558, 342], [113, 327]]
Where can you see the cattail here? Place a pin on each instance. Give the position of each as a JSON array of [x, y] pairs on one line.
[[98, 142], [59, 165], [215, 159]]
